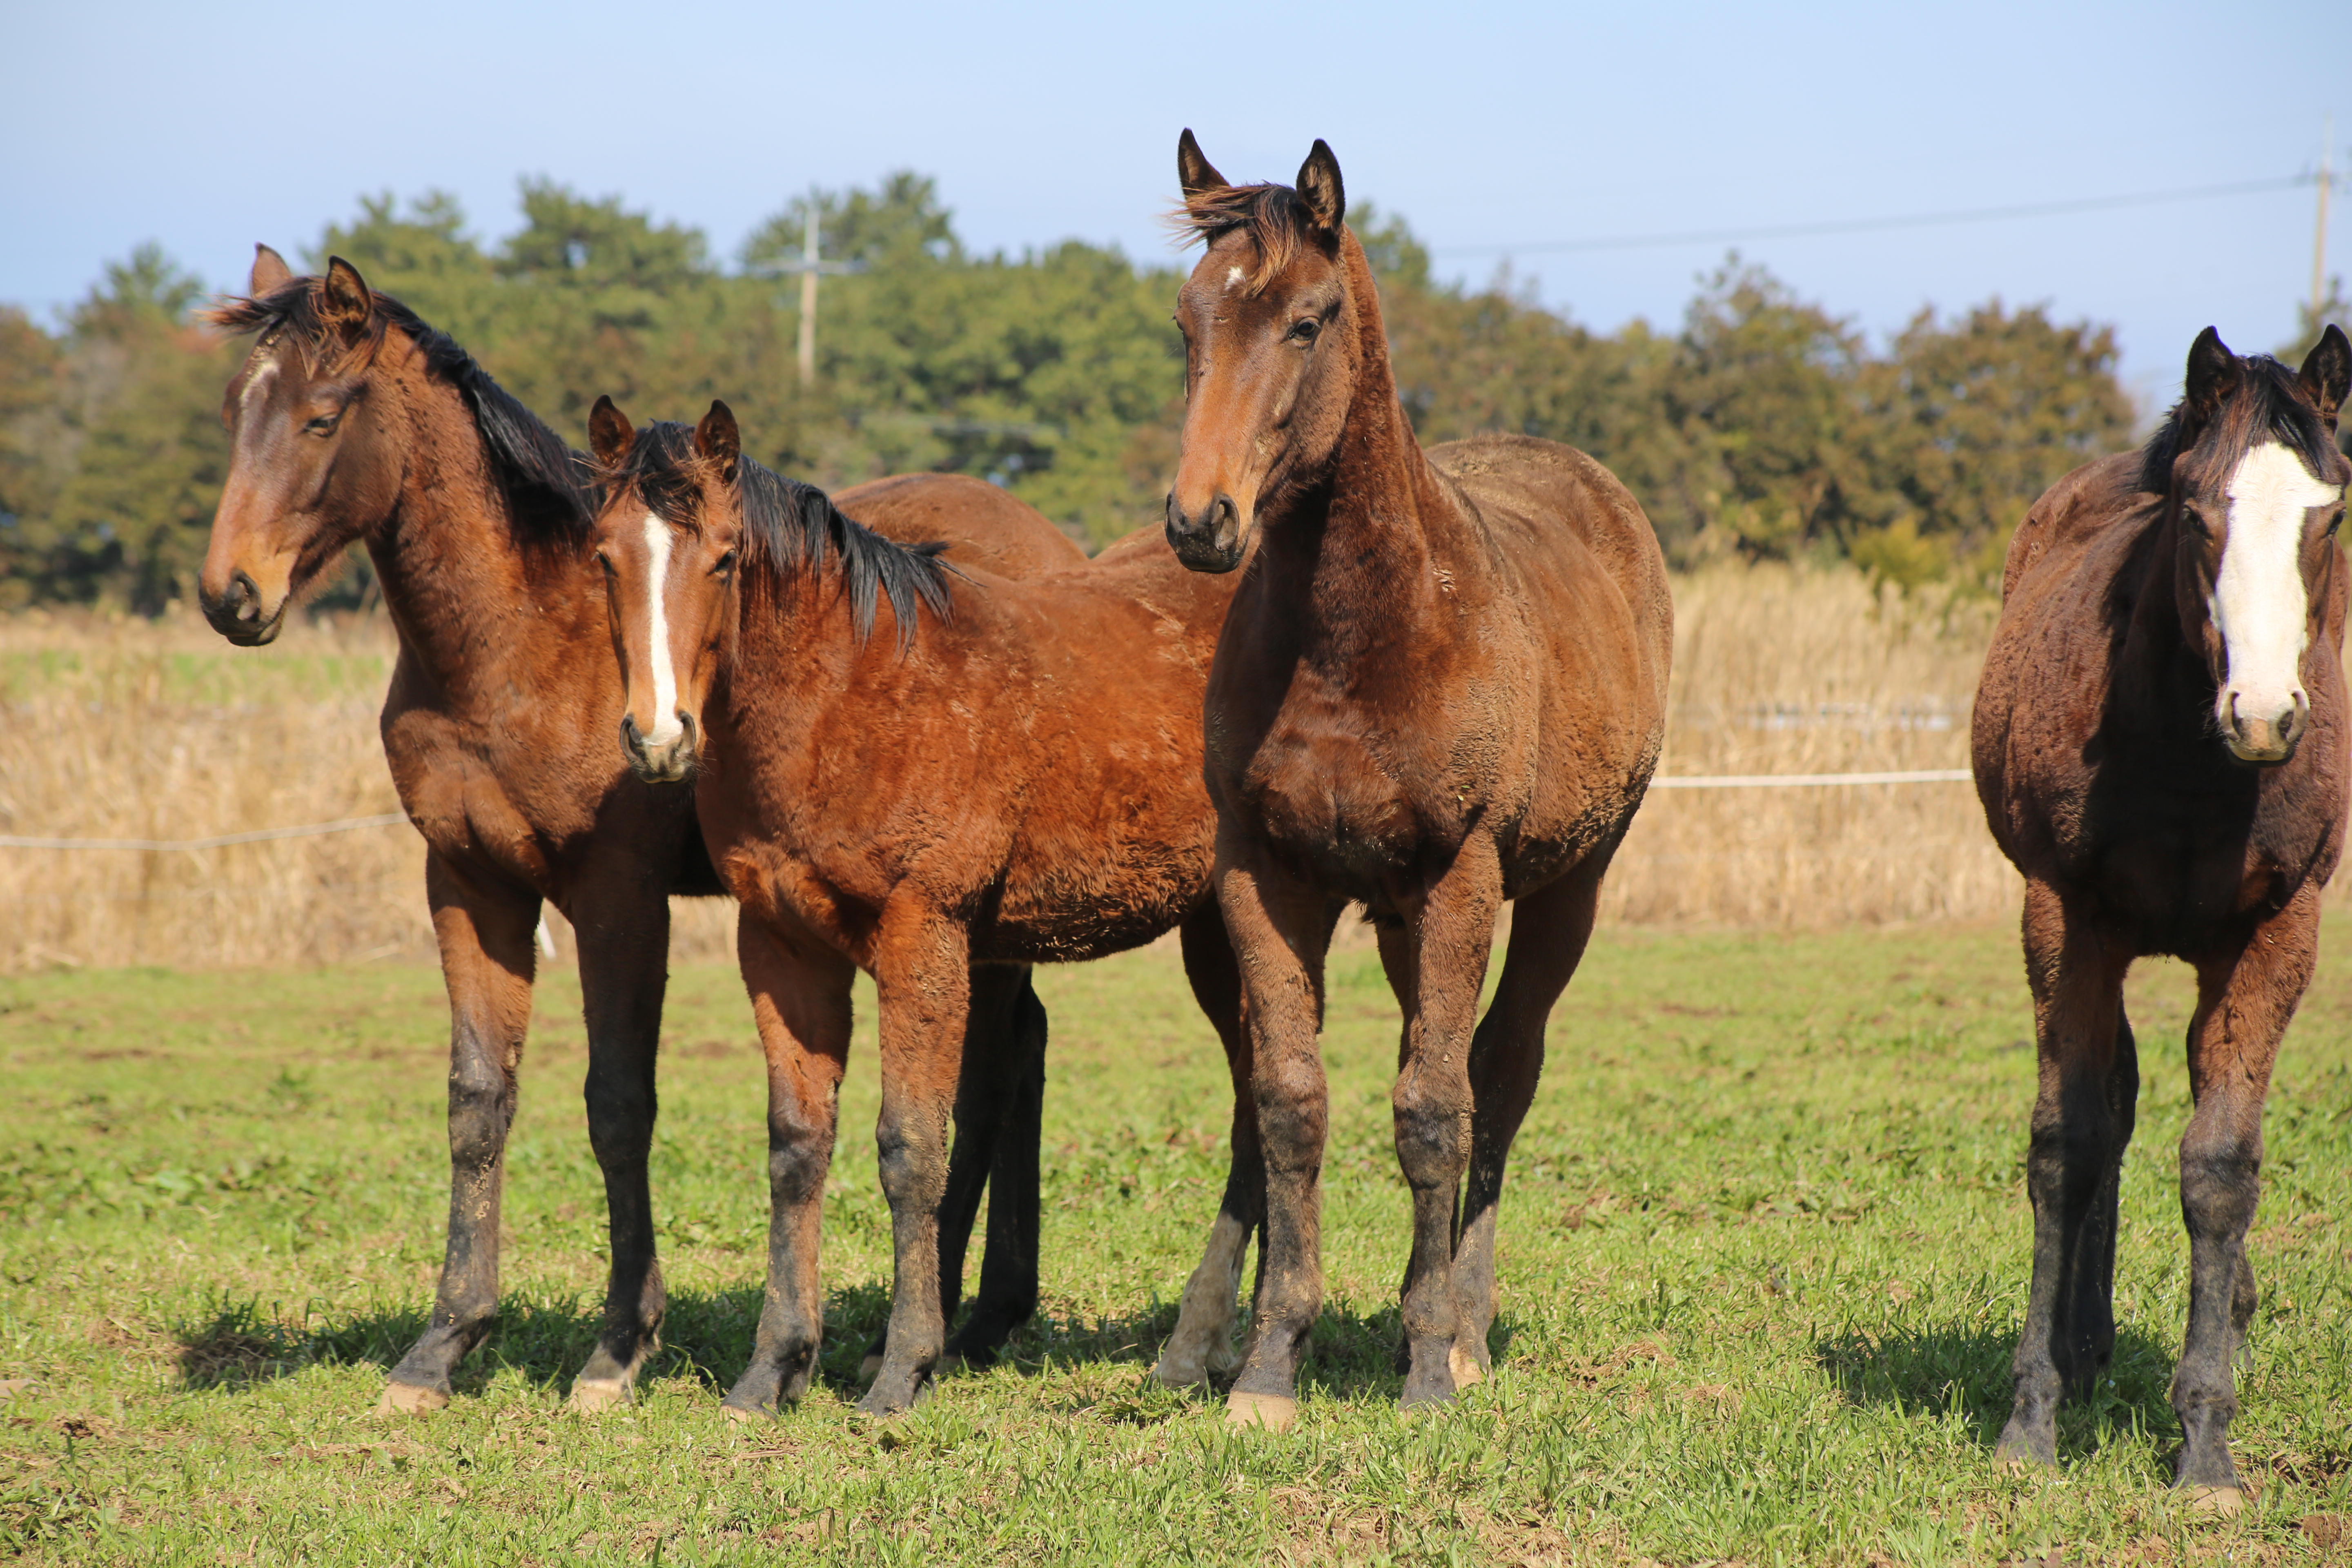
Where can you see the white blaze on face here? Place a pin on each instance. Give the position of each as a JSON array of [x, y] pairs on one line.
[[1235, 279], [2257, 602], [258, 384], [665, 725]]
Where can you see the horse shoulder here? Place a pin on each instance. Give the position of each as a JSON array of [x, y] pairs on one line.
[[2070, 513]]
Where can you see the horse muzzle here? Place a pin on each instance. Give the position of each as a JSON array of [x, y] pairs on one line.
[[1210, 541], [669, 760], [237, 613], [2265, 741]]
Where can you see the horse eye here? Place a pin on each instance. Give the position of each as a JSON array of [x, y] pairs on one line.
[[1304, 330], [726, 564], [605, 561], [324, 425]]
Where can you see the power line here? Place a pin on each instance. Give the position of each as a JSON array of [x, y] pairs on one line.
[[1907, 220]]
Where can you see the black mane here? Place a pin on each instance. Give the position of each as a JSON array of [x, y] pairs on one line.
[[548, 486], [788, 524], [2268, 404]]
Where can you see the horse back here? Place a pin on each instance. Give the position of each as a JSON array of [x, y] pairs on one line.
[[1583, 563], [1555, 514]]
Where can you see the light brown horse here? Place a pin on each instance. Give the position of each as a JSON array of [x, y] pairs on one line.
[[914, 771], [1442, 686], [351, 419], [2159, 742]]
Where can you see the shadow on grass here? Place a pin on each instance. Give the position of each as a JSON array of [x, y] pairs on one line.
[[707, 1336], [1938, 1369]]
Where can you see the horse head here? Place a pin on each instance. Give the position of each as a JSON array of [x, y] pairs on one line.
[[668, 536], [1272, 319], [310, 466], [2253, 486]]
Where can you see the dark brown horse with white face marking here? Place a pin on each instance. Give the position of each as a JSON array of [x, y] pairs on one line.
[[1442, 686], [353, 420], [919, 773], [2159, 746]]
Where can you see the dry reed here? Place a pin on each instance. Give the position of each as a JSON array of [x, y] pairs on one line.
[[1785, 670], [117, 729]]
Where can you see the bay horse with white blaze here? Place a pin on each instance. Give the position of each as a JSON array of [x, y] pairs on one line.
[[912, 770], [351, 419], [1442, 686], [2159, 744]]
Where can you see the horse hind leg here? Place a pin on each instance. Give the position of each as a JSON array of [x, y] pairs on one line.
[[2071, 1162], [1201, 1346], [1549, 931], [2244, 1002], [2088, 1316], [1008, 1265], [487, 960]]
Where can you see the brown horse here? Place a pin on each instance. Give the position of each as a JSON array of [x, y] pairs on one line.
[[351, 419], [1442, 686], [1011, 776], [2159, 745]]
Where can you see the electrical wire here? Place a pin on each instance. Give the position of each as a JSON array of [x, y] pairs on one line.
[[1875, 224]]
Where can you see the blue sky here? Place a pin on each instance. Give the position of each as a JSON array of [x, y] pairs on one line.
[[207, 127]]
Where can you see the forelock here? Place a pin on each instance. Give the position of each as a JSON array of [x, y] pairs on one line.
[[1272, 217]]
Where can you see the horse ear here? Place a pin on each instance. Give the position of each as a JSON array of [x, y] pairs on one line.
[[270, 273], [2212, 372], [718, 439], [344, 302], [1319, 188], [2327, 372], [609, 433], [1194, 170]]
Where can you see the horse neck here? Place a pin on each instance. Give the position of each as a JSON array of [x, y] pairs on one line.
[[793, 648], [455, 581], [1358, 553], [2158, 676]]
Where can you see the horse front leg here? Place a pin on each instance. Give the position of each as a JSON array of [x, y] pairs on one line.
[[1281, 931], [2244, 1002], [800, 1002], [621, 918], [487, 959], [923, 988], [2077, 977], [1452, 930]]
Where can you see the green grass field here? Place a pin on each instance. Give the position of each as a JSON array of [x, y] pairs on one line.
[[1763, 1258]]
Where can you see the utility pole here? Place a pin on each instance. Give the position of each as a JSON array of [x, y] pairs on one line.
[[2319, 235], [811, 267]]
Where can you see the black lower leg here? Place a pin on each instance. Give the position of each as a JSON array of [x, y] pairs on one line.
[[482, 1109], [1008, 1265]]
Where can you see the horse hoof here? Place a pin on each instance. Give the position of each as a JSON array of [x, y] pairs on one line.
[[593, 1396], [2216, 1502], [1468, 1373], [948, 1365], [869, 1369], [409, 1399], [746, 1415], [1171, 1372], [1274, 1412]]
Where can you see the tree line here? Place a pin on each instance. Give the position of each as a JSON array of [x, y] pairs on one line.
[[1763, 426]]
